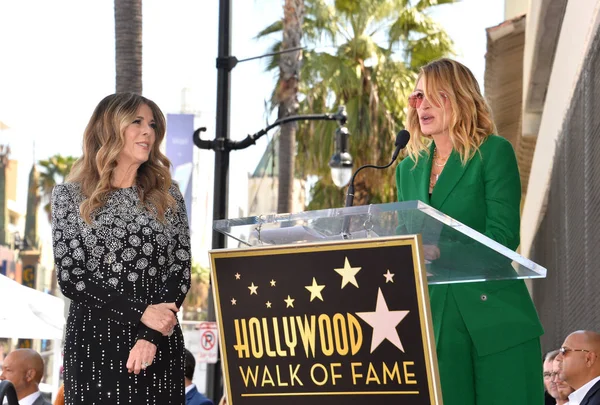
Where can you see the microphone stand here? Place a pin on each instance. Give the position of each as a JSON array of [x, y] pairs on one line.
[[350, 196], [402, 139]]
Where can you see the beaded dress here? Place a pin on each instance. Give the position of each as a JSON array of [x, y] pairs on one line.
[[112, 270]]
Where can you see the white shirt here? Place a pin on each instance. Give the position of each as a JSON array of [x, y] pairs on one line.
[[577, 396], [189, 387], [30, 399]]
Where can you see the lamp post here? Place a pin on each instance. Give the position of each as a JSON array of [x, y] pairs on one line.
[[341, 162], [341, 172]]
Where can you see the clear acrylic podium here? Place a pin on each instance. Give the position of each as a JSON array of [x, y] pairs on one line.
[[465, 254]]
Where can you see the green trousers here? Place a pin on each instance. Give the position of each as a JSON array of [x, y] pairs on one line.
[[513, 376]]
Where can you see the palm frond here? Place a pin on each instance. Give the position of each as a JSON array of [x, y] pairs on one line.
[[277, 26], [428, 48], [53, 171], [273, 61], [428, 4], [371, 69]]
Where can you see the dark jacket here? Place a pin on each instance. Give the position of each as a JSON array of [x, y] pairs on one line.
[[193, 397], [41, 401], [593, 395]]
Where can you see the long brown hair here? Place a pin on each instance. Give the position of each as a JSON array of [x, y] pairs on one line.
[[103, 141], [471, 120], [60, 396]]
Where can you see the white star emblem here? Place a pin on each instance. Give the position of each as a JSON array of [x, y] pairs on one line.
[[289, 302], [348, 273], [253, 289], [384, 322], [315, 290]]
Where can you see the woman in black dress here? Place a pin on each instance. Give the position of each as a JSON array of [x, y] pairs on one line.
[[122, 253]]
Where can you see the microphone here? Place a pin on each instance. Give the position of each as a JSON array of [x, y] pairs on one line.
[[402, 139]]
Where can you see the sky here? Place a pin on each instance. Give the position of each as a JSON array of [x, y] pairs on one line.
[[57, 63]]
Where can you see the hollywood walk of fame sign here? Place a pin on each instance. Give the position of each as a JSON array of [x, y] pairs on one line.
[[336, 323]]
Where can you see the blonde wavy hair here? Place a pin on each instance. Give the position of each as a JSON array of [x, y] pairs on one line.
[[103, 141], [470, 122]]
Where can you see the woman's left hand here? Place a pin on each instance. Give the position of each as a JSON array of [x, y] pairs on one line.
[[431, 252], [141, 356]]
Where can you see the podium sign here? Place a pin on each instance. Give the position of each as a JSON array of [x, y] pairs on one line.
[[340, 322]]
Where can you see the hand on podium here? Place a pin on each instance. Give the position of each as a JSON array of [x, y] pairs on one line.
[[431, 252]]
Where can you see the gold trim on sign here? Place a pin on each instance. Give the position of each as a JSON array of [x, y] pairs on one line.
[[217, 303], [422, 300], [289, 394], [435, 391]]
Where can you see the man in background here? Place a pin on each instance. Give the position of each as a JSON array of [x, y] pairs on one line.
[[555, 387], [580, 367], [192, 396], [24, 368]]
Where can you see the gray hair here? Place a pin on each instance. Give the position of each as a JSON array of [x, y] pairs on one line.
[[550, 356]]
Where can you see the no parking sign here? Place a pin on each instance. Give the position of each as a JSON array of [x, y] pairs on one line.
[[208, 348]]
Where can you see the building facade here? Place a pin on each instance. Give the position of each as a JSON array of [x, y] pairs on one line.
[[557, 137]]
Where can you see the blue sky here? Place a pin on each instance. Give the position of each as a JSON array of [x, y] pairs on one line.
[[57, 62]]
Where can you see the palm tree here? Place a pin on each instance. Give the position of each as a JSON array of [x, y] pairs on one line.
[[365, 55], [287, 97], [54, 170], [128, 45]]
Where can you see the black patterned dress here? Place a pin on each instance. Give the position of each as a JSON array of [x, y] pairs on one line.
[[112, 270]]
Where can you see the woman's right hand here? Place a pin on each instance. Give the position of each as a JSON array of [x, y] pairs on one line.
[[161, 317]]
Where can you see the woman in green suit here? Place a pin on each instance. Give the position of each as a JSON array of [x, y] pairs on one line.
[[487, 333]]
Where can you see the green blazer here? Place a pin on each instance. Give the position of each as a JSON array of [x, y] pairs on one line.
[[484, 194]]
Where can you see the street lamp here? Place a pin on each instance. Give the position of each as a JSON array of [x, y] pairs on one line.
[[341, 161], [341, 171]]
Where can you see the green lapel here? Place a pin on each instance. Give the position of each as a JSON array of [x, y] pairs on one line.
[[449, 178], [421, 174]]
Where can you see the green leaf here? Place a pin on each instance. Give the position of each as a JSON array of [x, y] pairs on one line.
[[53, 171], [365, 55], [277, 26]]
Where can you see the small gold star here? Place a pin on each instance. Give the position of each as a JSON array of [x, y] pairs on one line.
[[315, 290], [233, 301], [237, 276], [389, 277], [348, 273], [253, 289], [268, 304], [272, 283], [289, 302]]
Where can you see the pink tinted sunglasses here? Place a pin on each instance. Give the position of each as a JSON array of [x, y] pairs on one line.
[[416, 98]]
